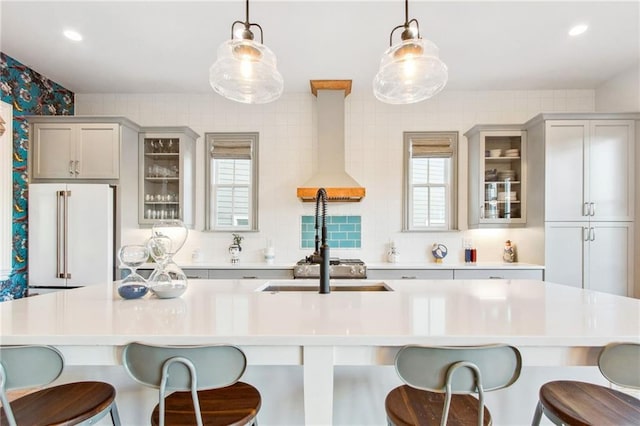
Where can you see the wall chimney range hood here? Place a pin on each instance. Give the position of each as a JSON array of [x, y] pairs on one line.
[[330, 155]]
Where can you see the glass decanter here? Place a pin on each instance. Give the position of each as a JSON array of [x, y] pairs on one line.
[[167, 238], [132, 257]]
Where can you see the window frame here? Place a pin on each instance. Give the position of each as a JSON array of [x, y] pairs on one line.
[[451, 196], [210, 139]]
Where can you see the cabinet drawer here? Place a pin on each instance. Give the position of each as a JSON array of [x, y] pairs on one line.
[[410, 274], [196, 273], [247, 274], [190, 273], [504, 274]]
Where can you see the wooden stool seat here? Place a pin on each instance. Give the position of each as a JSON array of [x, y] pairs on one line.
[[67, 404], [577, 403], [409, 406], [237, 404]]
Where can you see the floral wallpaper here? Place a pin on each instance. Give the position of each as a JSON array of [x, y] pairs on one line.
[[30, 93]]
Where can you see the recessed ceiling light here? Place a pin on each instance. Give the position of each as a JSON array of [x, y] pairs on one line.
[[578, 29], [72, 35]]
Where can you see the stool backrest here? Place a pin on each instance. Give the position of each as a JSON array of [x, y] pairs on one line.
[[29, 366], [216, 366], [425, 367], [25, 367], [459, 370], [620, 364]]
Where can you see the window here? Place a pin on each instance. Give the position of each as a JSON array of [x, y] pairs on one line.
[[232, 182], [430, 184]]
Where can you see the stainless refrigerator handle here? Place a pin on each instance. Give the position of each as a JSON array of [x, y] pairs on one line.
[[66, 234], [71, 167], [58, 218]]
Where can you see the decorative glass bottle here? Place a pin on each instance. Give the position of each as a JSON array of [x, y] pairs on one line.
[[132, 257], [168, 280]]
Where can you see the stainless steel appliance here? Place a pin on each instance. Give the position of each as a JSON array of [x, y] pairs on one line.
[[338, 268], [71, 235]]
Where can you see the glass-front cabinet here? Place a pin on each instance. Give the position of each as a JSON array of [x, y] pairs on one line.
[[497, 176], [167, 174]]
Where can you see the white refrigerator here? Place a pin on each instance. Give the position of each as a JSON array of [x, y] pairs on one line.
[[71, 235]]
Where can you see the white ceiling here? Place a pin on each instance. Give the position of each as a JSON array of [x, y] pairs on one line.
[[168, 46]]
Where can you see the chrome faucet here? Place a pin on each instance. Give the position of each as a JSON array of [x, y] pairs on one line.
[[322, 248]]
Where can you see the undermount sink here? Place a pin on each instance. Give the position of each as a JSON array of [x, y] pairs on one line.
[[313, 285]]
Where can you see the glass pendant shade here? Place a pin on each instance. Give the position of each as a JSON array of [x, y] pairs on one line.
[[246, 72], [410, 72]]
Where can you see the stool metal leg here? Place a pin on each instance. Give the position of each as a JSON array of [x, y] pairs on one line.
[[538, 415], [115, 417]]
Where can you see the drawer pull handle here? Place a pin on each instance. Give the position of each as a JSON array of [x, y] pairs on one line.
[[409, 277], [249, 277], [495, 278]]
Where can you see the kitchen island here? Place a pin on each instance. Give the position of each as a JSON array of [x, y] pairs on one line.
[[552, 325]]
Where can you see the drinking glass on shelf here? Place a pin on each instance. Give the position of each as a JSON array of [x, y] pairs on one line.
[[132, 257]]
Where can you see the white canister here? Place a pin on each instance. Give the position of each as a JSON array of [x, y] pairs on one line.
[[269, 255]]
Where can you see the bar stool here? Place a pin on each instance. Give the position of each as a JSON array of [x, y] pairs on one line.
[[69, 404], [203, 379], [440, 381], [577, 403]]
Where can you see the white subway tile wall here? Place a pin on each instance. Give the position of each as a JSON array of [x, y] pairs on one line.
[[373, 157]]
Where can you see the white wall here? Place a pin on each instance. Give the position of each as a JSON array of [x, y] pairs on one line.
[[373, 157], [621, 93]]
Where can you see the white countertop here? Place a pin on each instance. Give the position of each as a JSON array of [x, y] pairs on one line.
[[452, 265], [439, 312], [372, 265], [552, 325], [226, 265]]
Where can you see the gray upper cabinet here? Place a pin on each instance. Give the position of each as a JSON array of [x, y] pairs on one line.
[[65, 148], [589, 170], [167, 174], [497, 176]]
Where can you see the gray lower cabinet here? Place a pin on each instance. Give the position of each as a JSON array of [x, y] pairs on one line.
[[499, 274], [231, 273], [450, 274], [247, 274], [190, 273], [410, 274]]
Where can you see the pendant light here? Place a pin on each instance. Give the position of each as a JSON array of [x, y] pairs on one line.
[[410, 71], [245, 70]]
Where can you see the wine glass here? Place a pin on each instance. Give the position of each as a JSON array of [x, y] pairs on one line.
[[167, 238], [132, 257]]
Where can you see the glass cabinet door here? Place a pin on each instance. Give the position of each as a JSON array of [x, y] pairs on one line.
[[502, 174], [166, 159], [161, 182]]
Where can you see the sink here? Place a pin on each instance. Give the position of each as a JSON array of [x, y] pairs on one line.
[[312, 285]]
